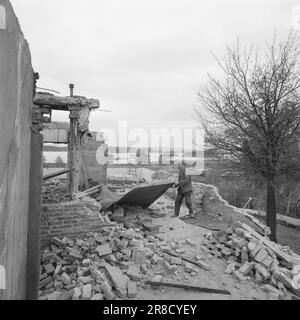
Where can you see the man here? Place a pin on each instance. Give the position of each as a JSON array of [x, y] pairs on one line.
[[184, 190]]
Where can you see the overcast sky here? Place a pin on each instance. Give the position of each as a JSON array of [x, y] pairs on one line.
[[143, 59]]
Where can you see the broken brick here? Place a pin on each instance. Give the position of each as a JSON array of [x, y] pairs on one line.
[[131, 290], [86, 292], [107, 292], [104, 250]]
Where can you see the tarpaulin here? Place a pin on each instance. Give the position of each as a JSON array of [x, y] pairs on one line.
[[142, 196]]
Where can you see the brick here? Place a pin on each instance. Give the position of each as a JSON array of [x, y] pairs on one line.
[[58, 242], [76, 294], [65, 278], [86, 262], [43, 276], [98, 296], [254, 252], [267, 262], [139, 256], [132, 290], [104, 250], [154, 259], [48, 256], [86, 292], [107, 292], [246, 268], [45, 282], [238, 275], [175, 260], [148, 252], [66, 295], [134, 272], [261, 255], [262, 271], [269, 288], [226, 252], [252, 245], [157, 278], [118, 280], [54, 295], [84, 280], [74, 255], [49, 269], [230, 268]]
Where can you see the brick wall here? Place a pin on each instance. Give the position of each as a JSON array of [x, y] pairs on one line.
[[70, 219]]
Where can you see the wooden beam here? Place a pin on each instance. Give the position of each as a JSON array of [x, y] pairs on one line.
[[186, 286], [55, 174], [89, 192], [63, 103], [271, 245], [198, 264]]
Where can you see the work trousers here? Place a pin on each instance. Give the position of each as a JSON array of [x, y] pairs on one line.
[[179, 199]]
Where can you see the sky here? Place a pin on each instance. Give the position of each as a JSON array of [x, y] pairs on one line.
[[144, 60]]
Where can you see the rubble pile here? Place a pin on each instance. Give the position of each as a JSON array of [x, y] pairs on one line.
[[136, 217], [55, 191], [250, 258], [112, 264]]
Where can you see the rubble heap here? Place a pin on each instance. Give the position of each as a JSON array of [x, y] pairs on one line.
[[271, 265], [55, 191], [112, 264]]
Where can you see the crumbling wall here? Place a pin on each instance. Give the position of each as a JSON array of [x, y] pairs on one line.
[[69, 219], [90, 166], [214, 204], [16, 90]]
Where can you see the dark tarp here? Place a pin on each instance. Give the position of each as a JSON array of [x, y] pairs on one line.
[[142, 196]]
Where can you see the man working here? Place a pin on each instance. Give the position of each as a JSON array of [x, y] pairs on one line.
[[184, 190]]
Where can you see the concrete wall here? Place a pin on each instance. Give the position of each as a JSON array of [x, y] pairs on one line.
[[16, 90]]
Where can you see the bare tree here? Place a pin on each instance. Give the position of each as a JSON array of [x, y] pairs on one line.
[[254, 113]]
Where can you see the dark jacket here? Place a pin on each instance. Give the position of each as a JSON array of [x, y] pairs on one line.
[[185, 182]]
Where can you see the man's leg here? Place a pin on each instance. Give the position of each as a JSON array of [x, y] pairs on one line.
[[188, 202], [178, 203]]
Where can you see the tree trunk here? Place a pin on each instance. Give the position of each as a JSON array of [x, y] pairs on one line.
[[288, 204], [271, 209]]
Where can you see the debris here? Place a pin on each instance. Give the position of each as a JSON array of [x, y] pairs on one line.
[[87, 292], [187, 286], [132, 291], [134, 272], [104, 250], [198, 263], [107, 292]]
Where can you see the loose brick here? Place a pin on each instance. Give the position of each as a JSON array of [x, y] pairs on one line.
[[262, 271], [86, 292], [97, 296], [132, 290], [134, 272], [107, 292], [104, 250], [246, 268]]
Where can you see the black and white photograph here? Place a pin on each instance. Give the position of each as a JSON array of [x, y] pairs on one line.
[[149, 153]]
